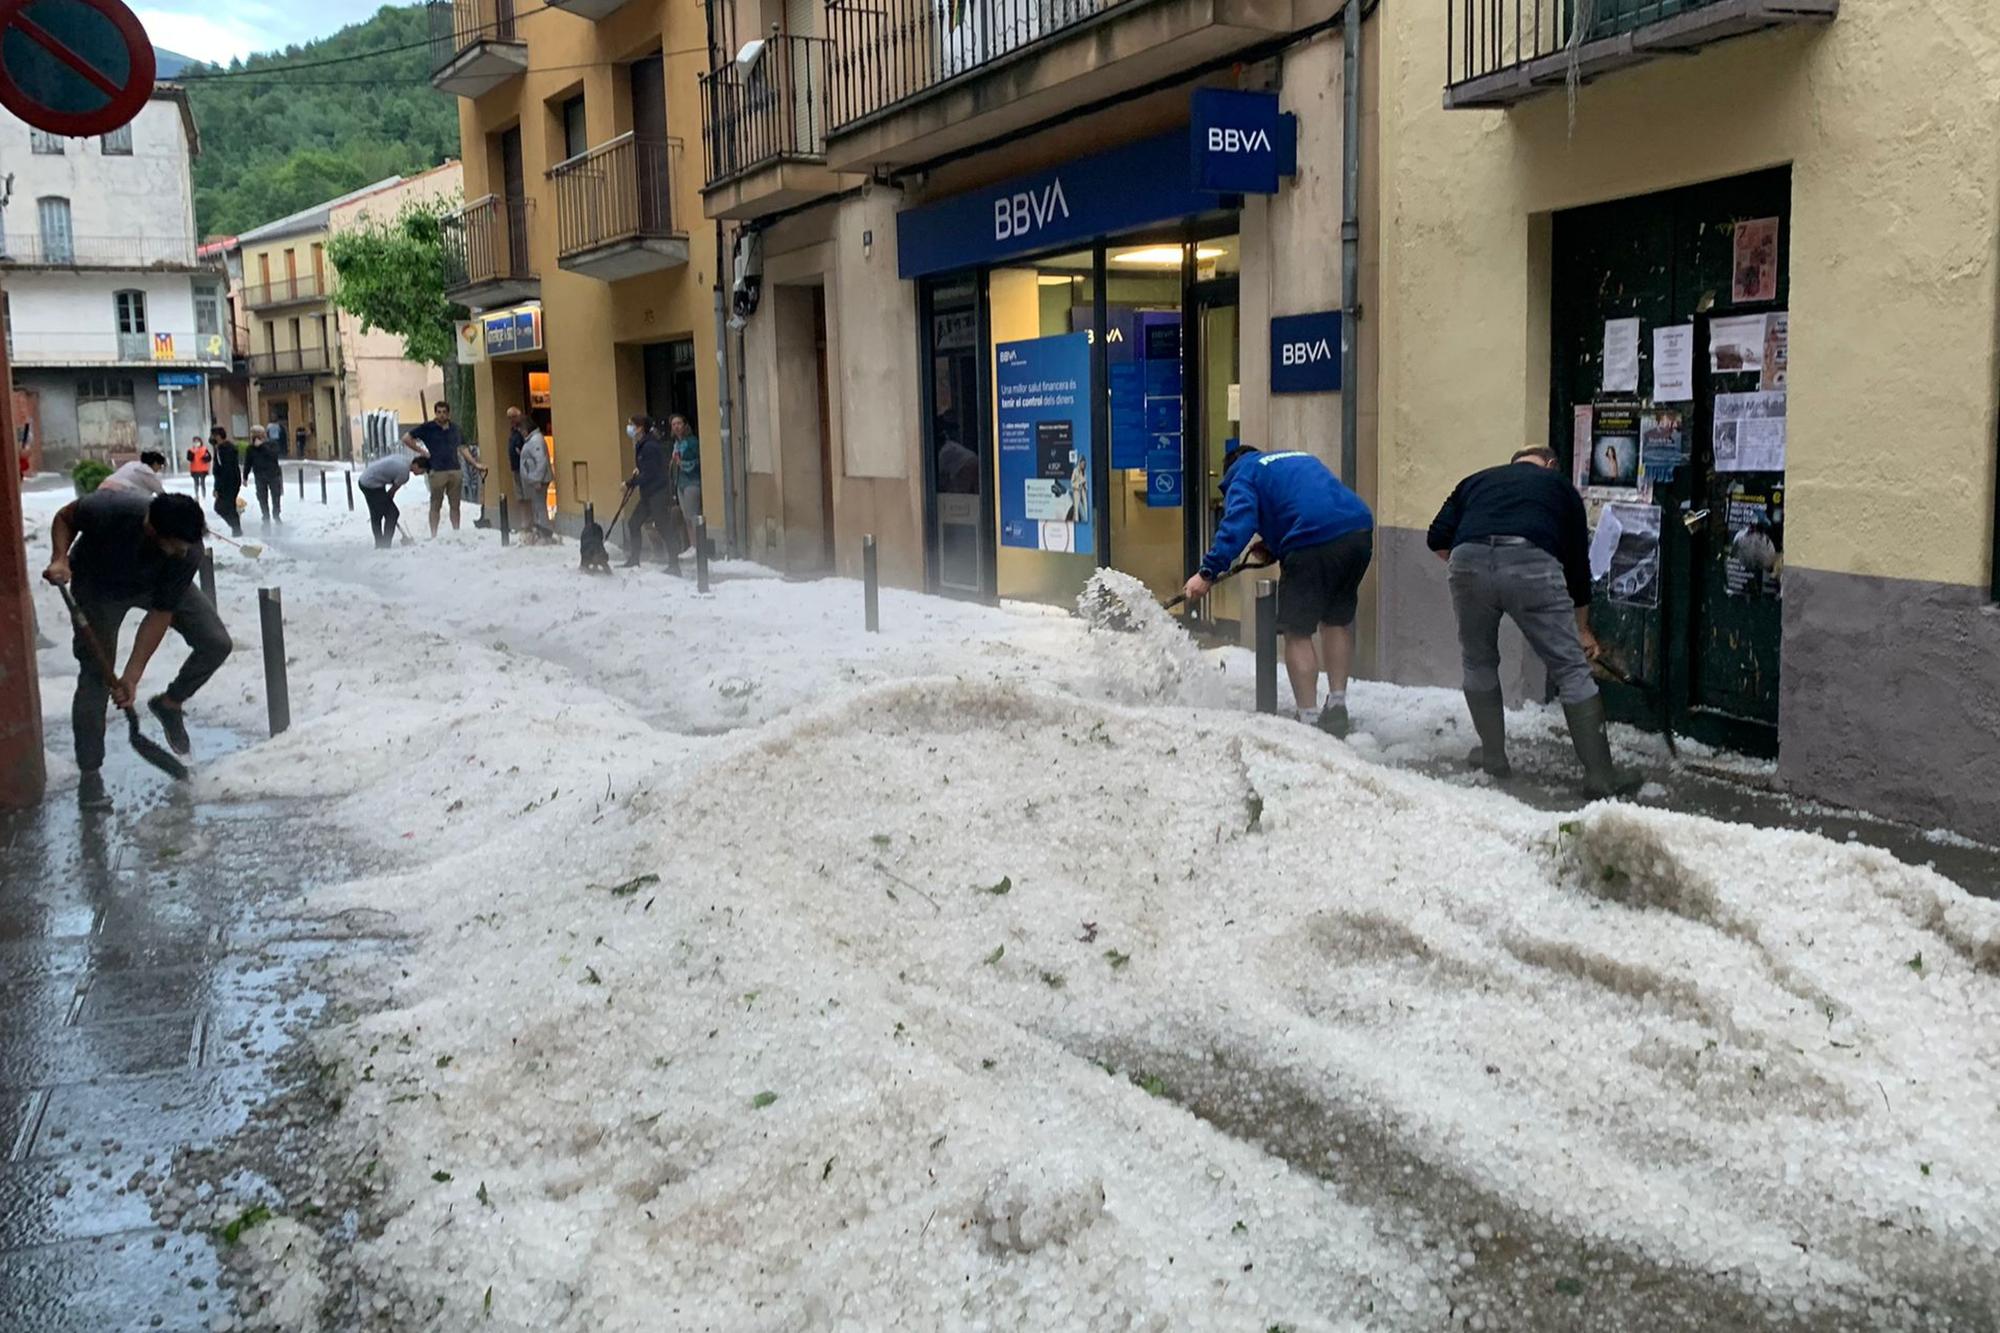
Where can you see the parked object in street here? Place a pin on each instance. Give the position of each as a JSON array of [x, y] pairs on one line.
[[379, 482], [1516, 541], [1323, 535], [113, 552]]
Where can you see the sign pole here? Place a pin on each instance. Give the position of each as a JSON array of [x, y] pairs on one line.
[[23, 773]]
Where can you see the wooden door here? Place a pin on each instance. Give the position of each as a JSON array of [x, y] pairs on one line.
[[649, 132]]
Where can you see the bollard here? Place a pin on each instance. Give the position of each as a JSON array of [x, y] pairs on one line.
[[1267, 645], [505, 538], [349, 474], [271, 616], [700, 553], [666, 540], [302, 482], [322, 486], [871, 591], [208, 573]]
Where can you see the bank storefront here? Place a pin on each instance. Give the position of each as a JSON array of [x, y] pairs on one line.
[[1082, 355]]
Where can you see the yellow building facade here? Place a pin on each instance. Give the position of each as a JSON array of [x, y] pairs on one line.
[[581, 248], [1771, 228]]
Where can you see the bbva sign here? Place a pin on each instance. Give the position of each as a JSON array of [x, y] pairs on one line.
[[1305, 353], [1025, 212]]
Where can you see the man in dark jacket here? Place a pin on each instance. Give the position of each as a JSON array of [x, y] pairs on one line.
[[262, 459], [653, 477], [1517, 542], [226, 465], [1324, 536]]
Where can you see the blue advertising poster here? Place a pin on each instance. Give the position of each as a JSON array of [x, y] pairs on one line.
[[1043, 389], [1128, 415]]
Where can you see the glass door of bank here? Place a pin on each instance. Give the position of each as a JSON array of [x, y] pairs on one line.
[[1214, 410]]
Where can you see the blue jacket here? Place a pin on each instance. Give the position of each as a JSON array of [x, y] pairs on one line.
[[1291, 500]]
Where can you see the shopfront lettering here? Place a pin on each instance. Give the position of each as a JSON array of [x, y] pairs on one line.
[[1028, 211], [1222, 139], [1305, 353]]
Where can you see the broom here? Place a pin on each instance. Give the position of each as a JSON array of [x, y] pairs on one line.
[[143, 745]]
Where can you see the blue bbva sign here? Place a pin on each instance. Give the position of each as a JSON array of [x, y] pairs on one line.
[[1305, 353], [1093, 196], [1240, 142]]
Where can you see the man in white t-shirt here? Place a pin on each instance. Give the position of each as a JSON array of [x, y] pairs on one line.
[[141, 477], [379, 482]]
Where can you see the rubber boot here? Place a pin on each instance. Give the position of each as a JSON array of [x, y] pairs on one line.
[[90, 793], [1489, 720], [1593, 749]]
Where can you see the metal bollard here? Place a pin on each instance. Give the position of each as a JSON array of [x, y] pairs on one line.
[[349, 474], [208, 573], [322, 486], [700, 553], [1267, 645], [871, 590], [505, 537], [673, 556], [302, 481], [277, 698]]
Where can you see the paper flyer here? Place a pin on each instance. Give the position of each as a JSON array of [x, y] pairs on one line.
[[1750, 432], [1579, 445], [1635, 563], [1736, 345], [1621, 356], [1755, 273], [1673, 364], [1777, 348]]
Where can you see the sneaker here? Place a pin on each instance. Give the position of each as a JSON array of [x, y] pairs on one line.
[[90, 793], [171, 723], [1333, 721]]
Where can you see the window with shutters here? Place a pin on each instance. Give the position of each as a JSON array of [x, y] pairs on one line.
[[131, 311], [44, 143], [118, 143], [58, 244], [207, 309]]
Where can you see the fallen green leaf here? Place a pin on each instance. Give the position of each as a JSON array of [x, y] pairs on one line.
[[488, 1304], [248, 1218], [591, 977], [827, 1170], [1053, 980], [998, 953], [1924, 1167], [441, 1177], [763, 1099], [1116, 959], [879, 839], [482, 1196], [444, 1062], [1006, 885], [1569, 1286], [1916, 964]]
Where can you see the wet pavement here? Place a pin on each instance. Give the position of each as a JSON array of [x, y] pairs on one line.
[[151, 983]]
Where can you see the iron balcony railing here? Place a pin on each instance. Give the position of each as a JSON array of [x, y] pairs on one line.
[[457, 25], [1493, 37], [292, 361], [620, 191], [776, 111], [487, 241], [104, 252], [887, 52], [177, 348], [280, 291]]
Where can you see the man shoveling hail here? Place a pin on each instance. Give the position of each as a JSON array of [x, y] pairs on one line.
[[1324, 537]]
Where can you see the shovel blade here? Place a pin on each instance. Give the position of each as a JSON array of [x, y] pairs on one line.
[[154, 753]]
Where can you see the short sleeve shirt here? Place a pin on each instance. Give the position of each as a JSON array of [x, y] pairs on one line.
[[112, 558], [443, 442], [388, 472]]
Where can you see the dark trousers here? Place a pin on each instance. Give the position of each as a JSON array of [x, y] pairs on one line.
[[657, 512], [201, 484], [195, 621], [270, 497], [382, 515], [225, 507]]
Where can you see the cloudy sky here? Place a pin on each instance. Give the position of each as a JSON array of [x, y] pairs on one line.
[[210, 31]]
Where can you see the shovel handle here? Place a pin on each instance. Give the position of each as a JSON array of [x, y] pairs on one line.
[[98, 657]]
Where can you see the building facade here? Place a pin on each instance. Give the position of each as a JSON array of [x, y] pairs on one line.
[[945, 208], [1742, 278], [581, 249], [377, 376], [114, 320]]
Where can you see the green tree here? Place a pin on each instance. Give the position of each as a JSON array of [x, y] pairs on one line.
[[390, 275]]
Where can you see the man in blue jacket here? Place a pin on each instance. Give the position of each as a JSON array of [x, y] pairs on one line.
[[1324, 536]]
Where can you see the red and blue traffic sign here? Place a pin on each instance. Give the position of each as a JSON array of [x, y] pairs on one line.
[[73, 67]]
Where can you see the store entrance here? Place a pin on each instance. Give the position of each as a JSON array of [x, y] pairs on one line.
[[1214, 412]]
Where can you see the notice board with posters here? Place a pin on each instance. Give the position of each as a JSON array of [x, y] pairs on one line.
[[1689, 603]]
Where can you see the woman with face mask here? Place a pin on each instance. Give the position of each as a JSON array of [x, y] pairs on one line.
[[652, 476]]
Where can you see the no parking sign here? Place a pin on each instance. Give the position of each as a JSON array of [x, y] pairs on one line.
[[73, 67]]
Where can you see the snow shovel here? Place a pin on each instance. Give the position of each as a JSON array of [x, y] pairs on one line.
[[143, 745], [1608, 670], [251, 549], [1246, 562], [402, 532]]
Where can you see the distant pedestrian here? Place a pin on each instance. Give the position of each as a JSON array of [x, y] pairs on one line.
[[652, 477], [439, 440], [535, 474], [227, 465], [379, 482], [199, 461], [1324, 537], [142, 477], [516, 434], [1518, 546], [687, 482], [268, 476], [120, 551]]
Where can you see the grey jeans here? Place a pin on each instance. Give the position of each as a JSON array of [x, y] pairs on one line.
[[195, 621], [1525, 584], [689, 494]]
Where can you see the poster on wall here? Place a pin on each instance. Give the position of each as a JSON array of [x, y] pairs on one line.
[[1043, 390], [1753, 564], [1621, 356], [1635, 563], [1673, 364], [1579, 444], [1736, 346], [1777, 349], [1614, 445], [1663, 443], [1750, 432], [1756, 267]]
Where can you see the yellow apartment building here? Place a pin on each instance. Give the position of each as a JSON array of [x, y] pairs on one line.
[[581, 248]]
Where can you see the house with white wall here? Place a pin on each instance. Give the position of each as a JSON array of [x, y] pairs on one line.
[[114, 320]]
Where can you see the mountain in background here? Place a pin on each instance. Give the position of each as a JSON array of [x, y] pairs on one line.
[[169, 64], [278, 137]]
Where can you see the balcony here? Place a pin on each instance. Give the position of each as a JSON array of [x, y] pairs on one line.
[[764, 130], [136, 253], [594, 10], [486, 254], [914, 79], [177, 350], [475, 46], [615, 214], [286, 291], [1503, 52], [292, 361]]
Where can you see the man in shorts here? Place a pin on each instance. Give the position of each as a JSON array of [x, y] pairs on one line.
[[440, 441], [1324, 537]]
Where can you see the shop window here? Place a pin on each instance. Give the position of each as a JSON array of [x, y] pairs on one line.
[[118, 143], [131, 307]]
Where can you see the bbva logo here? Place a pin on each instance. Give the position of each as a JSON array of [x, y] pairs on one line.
[[1305, 353], [1222, 139], [1027, 211]]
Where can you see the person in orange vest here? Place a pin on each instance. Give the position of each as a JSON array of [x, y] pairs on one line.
[[198, 459]]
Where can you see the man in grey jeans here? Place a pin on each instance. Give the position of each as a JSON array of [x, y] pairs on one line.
[[1517, 544]]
